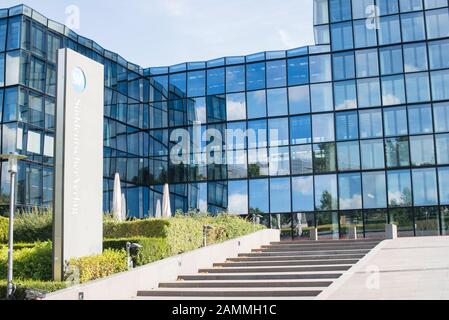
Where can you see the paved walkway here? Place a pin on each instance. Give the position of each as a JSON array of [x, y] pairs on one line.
[[403, 269]]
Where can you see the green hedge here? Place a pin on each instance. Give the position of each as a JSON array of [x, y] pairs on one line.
[[29, 263], [153, 249], [155, 228], [23, 286], [4, 225], [98, 266], [33, 226]]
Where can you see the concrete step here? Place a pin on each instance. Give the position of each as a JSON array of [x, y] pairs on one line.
[[262, 277], [298, 258], [303, 253], [312, 248], [306, 242], [277, 269], [284, 263], [232, 292], [248, 284]]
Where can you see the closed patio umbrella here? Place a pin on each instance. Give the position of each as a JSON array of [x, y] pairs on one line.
[[158, 214], [117, 199], [166, 209], [124, 212]]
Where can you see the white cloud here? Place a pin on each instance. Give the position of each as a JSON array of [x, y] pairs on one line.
[[286, 39]]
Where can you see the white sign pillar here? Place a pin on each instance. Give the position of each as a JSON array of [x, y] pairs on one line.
[[78, 187]]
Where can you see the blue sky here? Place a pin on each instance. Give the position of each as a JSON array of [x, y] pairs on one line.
[[165, 32]]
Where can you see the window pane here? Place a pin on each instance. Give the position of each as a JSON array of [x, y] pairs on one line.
[[418, 89], [196, 84], [372, 154], [351, 219], [238, 197], [442, 142], [342, 36], [374, 190], [302, 193], [370, 123], [177, 85], [277, 102], [300, 130], [399, 189], [389, 32], [299, 99], [3, 24], [257, 104], [259, 129], [258, 196], [443, 177], [255, 76], [276, 73], [320, 68], [258, 162], [393, 90], [324, 157], [441, 116], [397, 151], [411, 5], [368, 93], [298, 71], [279, 161], [420, 119], [422, 150], [216, 81], [395, 121], [347, 126], [374, 223], [437, 23], [14, 27], [278, 132], [367, 63], [344, 66], [326, 197], [388, 6], [413, 27], [322, 99], [439, 54], [440, 85], [430, 4], [348, 156], [216, 108], [350, 192], [415, 57], [280, 193], [302, 159], [424, 187], [427, 222], [359, 8], [323, 127], [340, 10], [2, 69], [327, 224], [391, 60], [321, 11], [345, 95], [364, 37], [235, 79], [236, 106], [403, 218], [12, 69]]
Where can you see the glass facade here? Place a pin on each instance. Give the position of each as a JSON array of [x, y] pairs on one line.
[[351, 131]]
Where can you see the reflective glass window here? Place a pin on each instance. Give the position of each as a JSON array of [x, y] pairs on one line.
[[14, 32], [255, 76], [322, 99], [298, 71], [370, 123], [390, 30], [388, 6], [368, 92], [326, 196], [359, 8], [439, 54], [391, 60], [324, 157], [260, 131], [301, 159], [440, 85], [395, 121], [238, 197], [424, 187], [372, 154], [393, 90], [196, 110], [367, 63], [441, 116], [413, 27], [374, 190], [196, 84], [300, 130], [418, 87], [277, 102], [399, 188], [415, 57], [177, 85], [323, 127], [347, 126], [279, 161], [320, 68], [321, 11], [216, 81], [348, 155], [278, 132], [344, 66], [12, 68], [437, 23], [411, 5], [276, 74], [257, 104], [443, 177], [345, 95], [3, 25], [259, 196], [216, 108], [442, 143], [235, 79], [397, 152], [350, 191], [430, 4], [340, 10], [364, 37], [236, 106], [420, 119], [2, 69], [299, 99], [322, 34], [280, 193], [342, 36], [302, 191], [422, 150]]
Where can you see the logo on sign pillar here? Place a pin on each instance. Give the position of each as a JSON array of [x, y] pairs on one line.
[[78, 80]]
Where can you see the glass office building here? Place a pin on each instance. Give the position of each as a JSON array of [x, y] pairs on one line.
[[362, 121]]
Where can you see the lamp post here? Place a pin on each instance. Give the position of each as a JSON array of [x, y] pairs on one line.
[[13, 159], [256, 220]]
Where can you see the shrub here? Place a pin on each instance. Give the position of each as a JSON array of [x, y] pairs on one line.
[[153, 249], [138, 228], [4, 225], [29, 263], [32, 226], [23, 286], [98, 266]]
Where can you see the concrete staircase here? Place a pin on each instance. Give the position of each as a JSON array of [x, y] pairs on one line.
[[283, 270]]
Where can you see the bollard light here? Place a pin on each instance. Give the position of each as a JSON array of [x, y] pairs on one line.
[[13, 160], [206, 229]]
